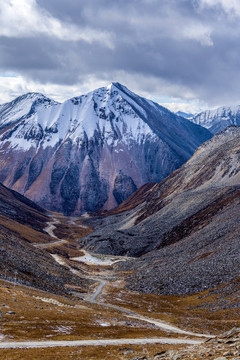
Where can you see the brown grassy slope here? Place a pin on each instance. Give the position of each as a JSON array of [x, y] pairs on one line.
[[22, 210]]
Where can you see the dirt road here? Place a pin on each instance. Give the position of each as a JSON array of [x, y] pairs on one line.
[[103, 342]]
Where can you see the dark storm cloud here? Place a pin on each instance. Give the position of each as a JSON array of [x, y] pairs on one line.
[[173, 46]]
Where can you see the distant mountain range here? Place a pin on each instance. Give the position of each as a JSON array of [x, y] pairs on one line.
[[218, 119], [185, 230], [215, 120], [93, 151]]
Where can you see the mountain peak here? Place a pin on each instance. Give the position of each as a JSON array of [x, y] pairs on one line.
[[33, 95], [111, 85], [29, 95], [117, 86], [24, 105], [114, 84]]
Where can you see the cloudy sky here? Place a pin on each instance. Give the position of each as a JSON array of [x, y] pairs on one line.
[[184, 54]]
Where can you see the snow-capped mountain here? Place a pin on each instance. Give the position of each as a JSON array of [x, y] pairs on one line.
[[218, 119], [92, 151]]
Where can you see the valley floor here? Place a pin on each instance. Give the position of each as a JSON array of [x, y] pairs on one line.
[[108, 322]]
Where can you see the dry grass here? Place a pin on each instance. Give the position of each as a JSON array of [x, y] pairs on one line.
[[71, 228], [34, 319], [86, 352], [70, 319], [24, 231], [189, 312]]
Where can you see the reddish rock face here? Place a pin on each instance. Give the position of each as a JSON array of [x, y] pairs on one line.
[[93, 151]]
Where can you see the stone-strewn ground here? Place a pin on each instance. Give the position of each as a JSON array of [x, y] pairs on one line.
[[223, 347]]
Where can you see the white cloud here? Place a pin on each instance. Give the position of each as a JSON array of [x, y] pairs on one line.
[[12, 86], [26, 19], [193, 107], [231, 7], [199, 33]]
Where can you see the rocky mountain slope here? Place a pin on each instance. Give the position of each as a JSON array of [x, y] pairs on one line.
[[22, 223], [184, 230], [92, 151], [218, 119]]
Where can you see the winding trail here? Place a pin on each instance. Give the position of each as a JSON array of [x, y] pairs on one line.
[[93, 300], [133, 315], [97, 292], [51, 225]]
